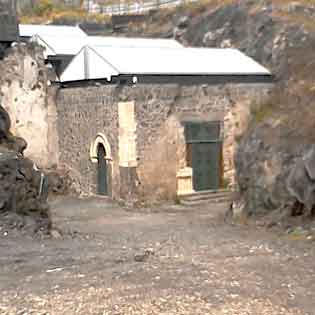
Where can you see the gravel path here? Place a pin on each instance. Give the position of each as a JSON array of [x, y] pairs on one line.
[[169, 260]]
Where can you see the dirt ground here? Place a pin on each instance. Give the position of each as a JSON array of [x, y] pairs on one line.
[[168, 260]]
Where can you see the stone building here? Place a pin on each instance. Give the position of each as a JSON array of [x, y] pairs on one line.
[[154, 127], [143, 122]]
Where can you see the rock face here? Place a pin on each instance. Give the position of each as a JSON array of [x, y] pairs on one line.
[[285, 176], [264, 160], [301, 181], [22, 187]]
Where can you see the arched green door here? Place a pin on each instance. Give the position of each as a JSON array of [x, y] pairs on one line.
[[101, 171]]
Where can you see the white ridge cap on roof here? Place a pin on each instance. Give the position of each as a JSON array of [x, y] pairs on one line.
[[29, 30], [161, 61], [71, 45], [132, 42], [86, 65]]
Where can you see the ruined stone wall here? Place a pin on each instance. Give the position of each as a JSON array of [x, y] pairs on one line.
[[23, 89], [155, 129]]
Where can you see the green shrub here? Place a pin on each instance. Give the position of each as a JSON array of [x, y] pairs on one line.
[[261, 111], [43, 7]]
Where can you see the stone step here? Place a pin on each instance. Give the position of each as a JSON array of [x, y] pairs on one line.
[[202, 202], [206, 194], [210, 196]]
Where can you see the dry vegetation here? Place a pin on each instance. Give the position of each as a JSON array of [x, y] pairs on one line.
[[291, 104], [292, 110], [305, 2], [47, 10], [295, 18]]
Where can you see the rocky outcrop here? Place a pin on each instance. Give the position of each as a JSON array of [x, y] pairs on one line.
[[23, 188], [264, 161]]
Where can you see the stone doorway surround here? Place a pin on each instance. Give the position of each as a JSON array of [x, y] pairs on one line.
[[101, 140], [185, 177]]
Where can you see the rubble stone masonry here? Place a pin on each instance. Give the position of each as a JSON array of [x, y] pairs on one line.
[[158, 112]]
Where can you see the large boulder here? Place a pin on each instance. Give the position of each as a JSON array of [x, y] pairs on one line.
[[275, 169], [263, 162], [301, 181], [23, 203], [23, 188]]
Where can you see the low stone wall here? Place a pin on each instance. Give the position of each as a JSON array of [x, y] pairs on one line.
[[149, 131]]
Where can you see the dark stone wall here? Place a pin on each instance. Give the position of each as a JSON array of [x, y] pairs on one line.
[[82, 114]]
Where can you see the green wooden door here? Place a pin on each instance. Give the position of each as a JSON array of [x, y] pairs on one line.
[[206, 148], [206, 165], [101, 171]]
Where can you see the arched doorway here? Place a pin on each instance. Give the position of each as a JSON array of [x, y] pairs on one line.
[[102, 188]]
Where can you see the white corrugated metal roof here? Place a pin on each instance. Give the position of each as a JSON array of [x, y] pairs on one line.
[[132, 42], [71, 45], [100, 62], [29, 30], [88, 65], [60, 45]]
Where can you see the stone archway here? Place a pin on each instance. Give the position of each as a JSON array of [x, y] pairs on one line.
[[100, 149], [100, 139]]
